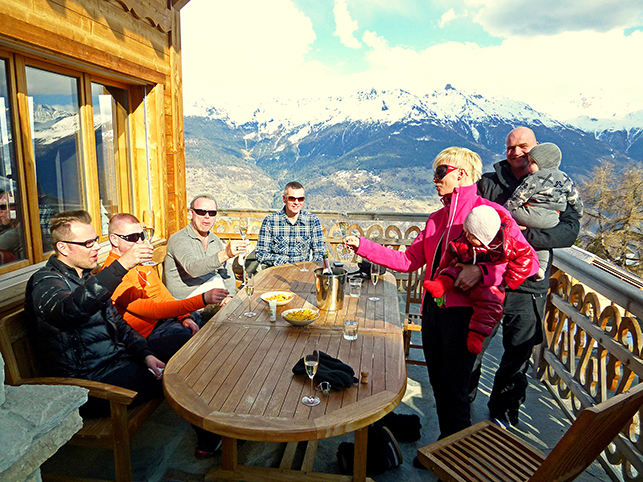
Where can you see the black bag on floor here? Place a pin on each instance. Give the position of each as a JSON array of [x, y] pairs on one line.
[[383, 452]]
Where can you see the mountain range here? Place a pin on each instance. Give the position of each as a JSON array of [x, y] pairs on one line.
[[373, 150]]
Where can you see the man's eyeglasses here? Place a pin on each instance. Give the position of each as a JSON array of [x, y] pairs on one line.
[[442, 170], [132, 238], [88, 244], [203, 212], [292, 199]]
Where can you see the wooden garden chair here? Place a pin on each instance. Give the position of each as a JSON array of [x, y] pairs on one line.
[[112, 433], [413, 321], [486, 452]]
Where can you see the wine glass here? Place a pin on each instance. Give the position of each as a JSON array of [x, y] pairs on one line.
[[303, 266], [343, 225], [376, 272], [250, 289], [311, 362], [149, 222], [243, 231]]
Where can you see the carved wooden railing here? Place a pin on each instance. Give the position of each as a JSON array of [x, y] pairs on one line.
[[593, 347], [396, 230]]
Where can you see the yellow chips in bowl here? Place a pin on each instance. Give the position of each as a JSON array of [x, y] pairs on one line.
[[281, 297], [300, 316]]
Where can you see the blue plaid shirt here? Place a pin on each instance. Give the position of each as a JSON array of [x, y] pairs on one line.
[[282, 242]]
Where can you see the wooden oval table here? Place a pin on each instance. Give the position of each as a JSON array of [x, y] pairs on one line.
[[234, 377]]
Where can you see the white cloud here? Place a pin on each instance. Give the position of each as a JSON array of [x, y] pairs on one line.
[[543, 71], [231, 54], [506, 18], [245, 47], [448, 17], [345, 25]]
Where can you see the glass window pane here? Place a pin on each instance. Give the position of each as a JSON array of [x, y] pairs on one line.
[[54, 113], [110, 110], [12, 240]]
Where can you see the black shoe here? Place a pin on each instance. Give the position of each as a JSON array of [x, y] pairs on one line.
[[513, 414], [206, 449]]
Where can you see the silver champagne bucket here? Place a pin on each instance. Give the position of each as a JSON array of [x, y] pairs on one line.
[[330, 289]]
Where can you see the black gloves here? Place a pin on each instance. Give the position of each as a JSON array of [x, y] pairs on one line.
[[330, 370]]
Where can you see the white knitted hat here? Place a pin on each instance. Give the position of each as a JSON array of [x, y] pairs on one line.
[[483, 222]]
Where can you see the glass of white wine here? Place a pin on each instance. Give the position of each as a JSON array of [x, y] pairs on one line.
[[376, 272], [250, 289], [303, 247], [343, 225], [243, 231], [311, 362], [149, 222]]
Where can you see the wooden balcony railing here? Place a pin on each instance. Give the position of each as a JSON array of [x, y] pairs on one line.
[[593, 346], [396, 230]]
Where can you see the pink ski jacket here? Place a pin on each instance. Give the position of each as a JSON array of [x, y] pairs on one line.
[[443, 226]]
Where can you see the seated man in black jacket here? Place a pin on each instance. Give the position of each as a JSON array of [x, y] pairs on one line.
[[78, 329], [79, 332]]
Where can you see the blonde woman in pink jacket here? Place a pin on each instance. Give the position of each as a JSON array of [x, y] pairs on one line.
[[445, 329]]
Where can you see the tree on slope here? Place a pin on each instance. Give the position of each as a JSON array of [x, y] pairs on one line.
[[613, 220]]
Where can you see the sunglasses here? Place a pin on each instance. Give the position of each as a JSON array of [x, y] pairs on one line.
[[132, 238], [203, 212], [88, 244], [292, 199], [442, 170]]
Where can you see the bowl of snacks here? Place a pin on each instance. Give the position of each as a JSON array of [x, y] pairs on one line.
[[281, 297], [300, 316]]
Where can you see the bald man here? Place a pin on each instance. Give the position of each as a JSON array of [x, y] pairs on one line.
[[524, 307], [144, 301]]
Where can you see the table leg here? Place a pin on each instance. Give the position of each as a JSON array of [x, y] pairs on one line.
[[229, 453], [359, 460]]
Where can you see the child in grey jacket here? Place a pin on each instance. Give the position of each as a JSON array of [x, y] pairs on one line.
[[543, 195]]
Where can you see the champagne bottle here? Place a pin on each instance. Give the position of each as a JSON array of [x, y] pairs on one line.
[[327, 269]]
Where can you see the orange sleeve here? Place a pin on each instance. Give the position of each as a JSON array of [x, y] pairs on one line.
[[144, 295]]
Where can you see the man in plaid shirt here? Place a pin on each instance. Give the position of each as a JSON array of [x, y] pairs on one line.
[[289, 235]]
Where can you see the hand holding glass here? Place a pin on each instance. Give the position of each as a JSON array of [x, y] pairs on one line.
[[148, 230], [311, 362]]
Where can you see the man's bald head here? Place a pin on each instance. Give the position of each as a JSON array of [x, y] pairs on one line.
[[519, 143]]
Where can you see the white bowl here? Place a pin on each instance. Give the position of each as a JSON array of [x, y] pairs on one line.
[[286, 316], [271, 294]]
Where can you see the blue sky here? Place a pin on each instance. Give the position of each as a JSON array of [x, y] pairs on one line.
[[551, 54]]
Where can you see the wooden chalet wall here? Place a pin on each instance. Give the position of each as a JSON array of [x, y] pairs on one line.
[[136, 43]]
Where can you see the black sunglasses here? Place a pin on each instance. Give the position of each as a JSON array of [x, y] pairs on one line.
[[442, 170], [293, 199], [132, 238], [203, 212], [88, 244]]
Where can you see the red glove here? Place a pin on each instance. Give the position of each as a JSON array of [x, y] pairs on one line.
[[474, 342]]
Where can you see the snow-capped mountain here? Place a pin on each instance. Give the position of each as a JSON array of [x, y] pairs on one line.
[[371, 143]]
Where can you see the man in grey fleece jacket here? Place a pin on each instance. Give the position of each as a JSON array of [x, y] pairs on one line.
[[195, 255]]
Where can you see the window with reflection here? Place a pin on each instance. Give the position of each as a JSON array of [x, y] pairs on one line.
[[12, 240], [54, 115], [110, 131]]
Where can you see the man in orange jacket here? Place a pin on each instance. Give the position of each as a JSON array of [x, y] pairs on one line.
[[145, 303]]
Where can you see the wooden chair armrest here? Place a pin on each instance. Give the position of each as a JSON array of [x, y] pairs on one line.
[[96, 389]]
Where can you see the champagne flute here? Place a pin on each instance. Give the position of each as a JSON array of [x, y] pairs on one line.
[[376, 271], [149, 222], [303, 266], [343, 227], [250, 289], [311, 362], [243, 231]]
